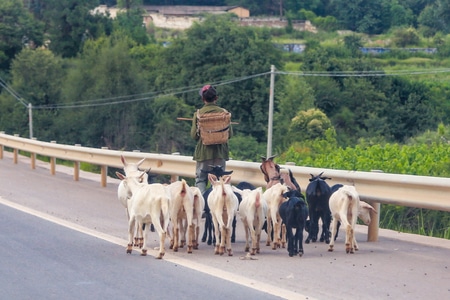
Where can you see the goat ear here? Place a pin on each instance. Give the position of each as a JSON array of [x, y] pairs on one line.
[[212, 178], [367, 205], [226, 179], [122, 158], [120, 176], [266, 178]]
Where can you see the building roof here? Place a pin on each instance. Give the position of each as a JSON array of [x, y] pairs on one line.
[[187, 9]]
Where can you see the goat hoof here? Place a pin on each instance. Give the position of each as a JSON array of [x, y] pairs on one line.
[[144, 252], [160, 256], [128, 251]]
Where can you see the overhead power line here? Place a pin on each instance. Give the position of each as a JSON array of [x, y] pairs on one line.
[[13, 93], [182, 90], [363, 73], [138, 97]]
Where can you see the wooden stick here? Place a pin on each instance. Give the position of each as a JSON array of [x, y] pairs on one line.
[[190, 119]]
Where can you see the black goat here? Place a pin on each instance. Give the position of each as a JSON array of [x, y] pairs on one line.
[[294, 213], [318, 194]]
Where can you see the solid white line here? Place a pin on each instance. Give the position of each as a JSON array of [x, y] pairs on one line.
[[241, 280]]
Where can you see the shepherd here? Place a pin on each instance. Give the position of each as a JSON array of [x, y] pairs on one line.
[[211, 128]]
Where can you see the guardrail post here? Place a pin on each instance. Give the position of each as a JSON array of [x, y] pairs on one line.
[[53, 162], [174, 177], [76, 167], [33, 157], [16, 153], [1, 147], [372, 234], [103, 173]]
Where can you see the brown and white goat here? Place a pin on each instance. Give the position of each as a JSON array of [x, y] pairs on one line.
[[131, 170], [181, 214], [274, 197], [252, 210], [199, 206], [149, 204], [345, 207], [223, 204]]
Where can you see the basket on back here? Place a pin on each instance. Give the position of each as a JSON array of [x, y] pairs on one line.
[[214, 128]]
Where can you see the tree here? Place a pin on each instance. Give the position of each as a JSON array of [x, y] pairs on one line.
[[37, 75], [18, 29], [69, 23], [130, 22], [219, 50], [106, 85], [359, 15], [294, 94], [309, 125]]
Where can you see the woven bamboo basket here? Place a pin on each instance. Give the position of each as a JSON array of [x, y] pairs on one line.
[[214, 128]]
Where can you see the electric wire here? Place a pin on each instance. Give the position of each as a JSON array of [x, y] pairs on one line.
[[12, 92], [182, 90], [131, 98]]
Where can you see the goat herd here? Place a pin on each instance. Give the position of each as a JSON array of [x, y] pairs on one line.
[[176, 210]]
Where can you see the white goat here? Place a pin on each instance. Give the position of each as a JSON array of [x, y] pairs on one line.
[[274, 197], [149, 204], [181, 214], [364, 212], [252, 210], [345, 206], [199, 207], [131, 170], [223, 204]]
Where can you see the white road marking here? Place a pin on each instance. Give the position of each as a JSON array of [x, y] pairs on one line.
[[235, 278]]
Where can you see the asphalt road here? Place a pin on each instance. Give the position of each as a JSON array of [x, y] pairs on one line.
[[66, 239]]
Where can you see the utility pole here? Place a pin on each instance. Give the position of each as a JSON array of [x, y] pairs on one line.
[[270, 125], [281, 10], [30, 119]]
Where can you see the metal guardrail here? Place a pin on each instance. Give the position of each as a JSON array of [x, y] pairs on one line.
[[373, 187]]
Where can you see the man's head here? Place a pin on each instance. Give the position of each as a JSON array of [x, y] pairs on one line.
[[208, 93]]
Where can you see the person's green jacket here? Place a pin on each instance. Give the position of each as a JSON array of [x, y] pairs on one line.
[[206, 152]]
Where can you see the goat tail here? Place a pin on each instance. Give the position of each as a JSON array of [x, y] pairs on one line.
[[165, 212], [184, 188], [258, 200], [350, 203]]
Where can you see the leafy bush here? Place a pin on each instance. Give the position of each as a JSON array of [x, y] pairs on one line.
[[406, 37]]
